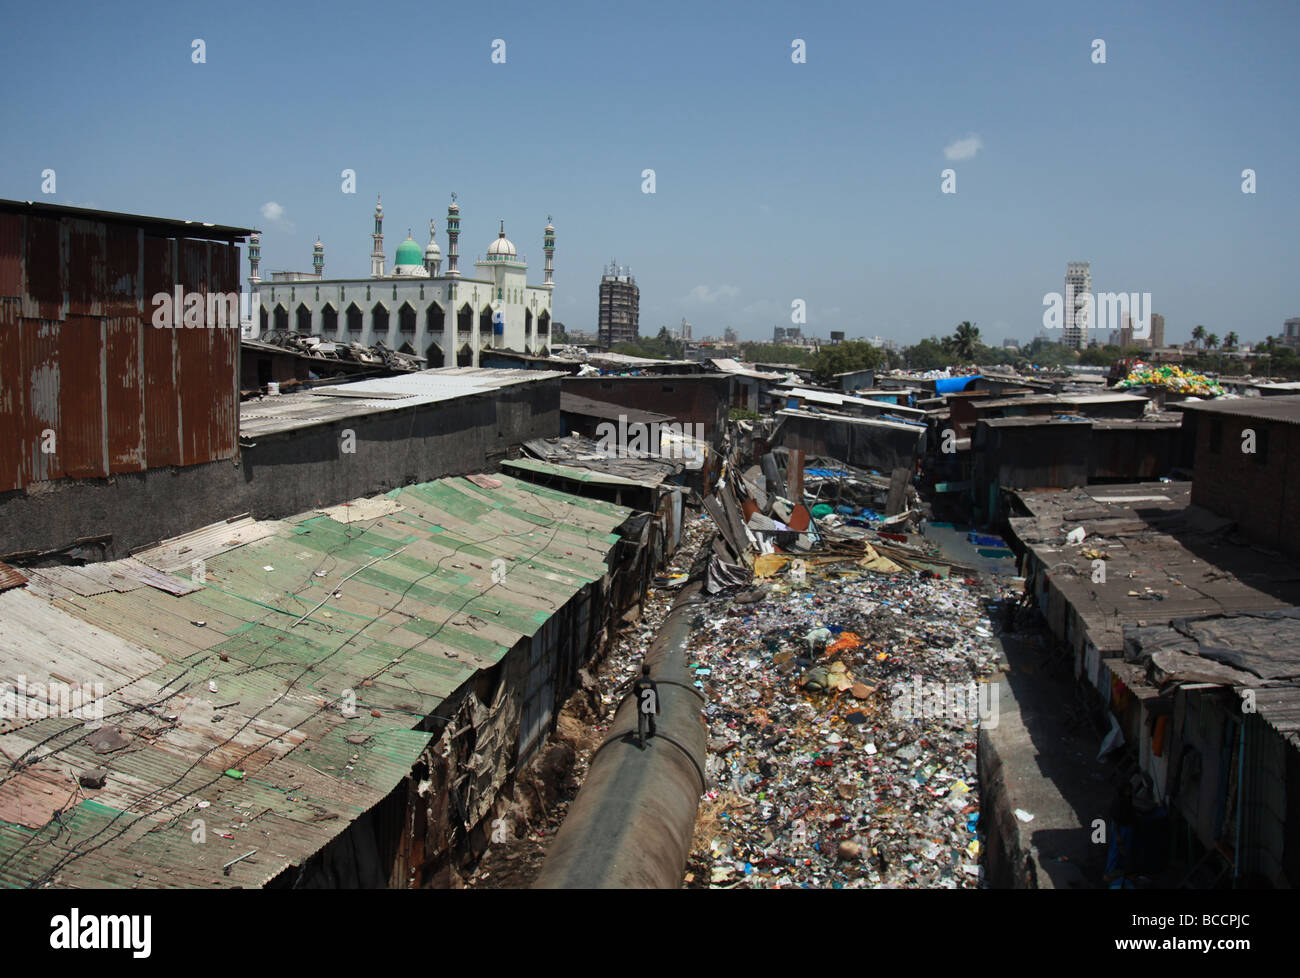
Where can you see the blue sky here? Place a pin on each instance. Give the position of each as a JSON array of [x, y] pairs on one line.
[[775, 181]]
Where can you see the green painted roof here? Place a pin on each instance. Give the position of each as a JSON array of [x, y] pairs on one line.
[[401, 608]]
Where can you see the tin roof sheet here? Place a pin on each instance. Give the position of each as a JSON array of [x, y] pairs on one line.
[[247, 672]]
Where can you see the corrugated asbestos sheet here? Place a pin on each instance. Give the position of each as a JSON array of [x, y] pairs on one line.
[[222, 707], [89, 385]]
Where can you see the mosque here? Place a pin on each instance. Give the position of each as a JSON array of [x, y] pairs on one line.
[[417, 307]]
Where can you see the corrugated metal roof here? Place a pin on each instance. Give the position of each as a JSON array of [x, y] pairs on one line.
[[339, 401], [246, 673], [1285, 408], [165, 225]]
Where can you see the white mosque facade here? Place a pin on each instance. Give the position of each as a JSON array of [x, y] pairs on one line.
[[420, 306]]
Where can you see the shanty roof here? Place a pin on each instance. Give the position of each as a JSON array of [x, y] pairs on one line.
[[729, 365], [1164, 558], [585, 454], [323, 405], [576, 404], [1063, 399], [222, 696], [159, 225], [1285, 408]]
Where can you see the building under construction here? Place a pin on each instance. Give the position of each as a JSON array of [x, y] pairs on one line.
[[620, 304]]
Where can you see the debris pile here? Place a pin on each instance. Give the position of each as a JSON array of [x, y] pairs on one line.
[[842, 715]]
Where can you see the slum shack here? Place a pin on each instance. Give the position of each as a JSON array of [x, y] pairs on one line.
[[342, 698]]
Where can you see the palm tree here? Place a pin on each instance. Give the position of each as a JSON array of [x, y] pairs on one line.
[[1211, 341], [965, 340], [1198, 334], [1230, 341]]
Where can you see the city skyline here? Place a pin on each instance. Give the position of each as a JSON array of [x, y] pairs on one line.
[[774, 180]]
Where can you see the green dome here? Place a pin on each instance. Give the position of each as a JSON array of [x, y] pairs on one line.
[[409, 253]]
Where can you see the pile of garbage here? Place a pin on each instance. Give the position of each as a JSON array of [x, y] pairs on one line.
[[1172, 378], [843, 709]]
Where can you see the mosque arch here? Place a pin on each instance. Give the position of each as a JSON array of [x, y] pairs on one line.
[[379, 323], [406, 317], [303, 317], [528, 330], [433, 356], [464, 319], [329, 320], [356, 322], [465, 357], [281, 317], [264, 318], [487, 337], [434, 319]]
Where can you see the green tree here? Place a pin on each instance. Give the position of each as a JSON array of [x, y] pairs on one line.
[[965, 341], [1198, 334], [1211, 341], [1230, 341], [842, 357], [929, 354]]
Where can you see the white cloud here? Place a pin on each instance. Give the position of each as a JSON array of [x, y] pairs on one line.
[[964, 149], [702, 293], [274, 213]]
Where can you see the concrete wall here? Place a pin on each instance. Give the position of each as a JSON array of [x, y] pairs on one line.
[[282, 474]]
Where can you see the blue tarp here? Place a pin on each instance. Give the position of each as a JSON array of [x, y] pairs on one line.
[[950, 385]]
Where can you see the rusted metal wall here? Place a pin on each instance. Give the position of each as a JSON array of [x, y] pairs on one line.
[[89, 385]]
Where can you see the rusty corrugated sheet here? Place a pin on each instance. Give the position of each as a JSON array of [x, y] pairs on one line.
[[194, 359], [11, 255], [86, 279], [44, 266], [10, 578], [39, 340], [83, 386], [13, 403], [123, 354], [122, 282], [87, 381], [162, 405]]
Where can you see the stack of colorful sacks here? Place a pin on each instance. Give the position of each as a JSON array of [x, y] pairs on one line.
[[1172, 378]]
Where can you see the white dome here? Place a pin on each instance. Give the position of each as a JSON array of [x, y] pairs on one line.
[[502, 246]]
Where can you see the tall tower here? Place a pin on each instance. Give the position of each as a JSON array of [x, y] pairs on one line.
[[318, 258], [620, 301], [453, 237], [432, 253], [254, 258], [377, 256], [548, 246], [1078, 304]]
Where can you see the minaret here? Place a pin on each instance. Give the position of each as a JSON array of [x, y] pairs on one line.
[[254, 258], [548, 245], [453, 236], [377, 256], [432, 253], [318, 258]]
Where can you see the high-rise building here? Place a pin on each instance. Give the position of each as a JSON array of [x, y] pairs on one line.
[[1157, 331], [620, 306], [1078, 303]]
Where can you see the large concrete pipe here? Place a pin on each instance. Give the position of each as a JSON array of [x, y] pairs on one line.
[[631, 825]]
